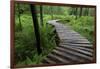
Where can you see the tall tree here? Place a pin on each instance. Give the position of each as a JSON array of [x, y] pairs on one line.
[[81, 9], [19, 16], [87, 11], [41, 14], [72, 11], [76, 10], [36, 28], [51, 8]]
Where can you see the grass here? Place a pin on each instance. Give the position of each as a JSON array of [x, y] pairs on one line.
[[25, 43]]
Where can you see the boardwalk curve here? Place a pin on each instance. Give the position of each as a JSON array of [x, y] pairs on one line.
[[73, 48]]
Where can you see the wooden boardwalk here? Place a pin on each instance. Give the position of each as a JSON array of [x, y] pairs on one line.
[[73, 48]]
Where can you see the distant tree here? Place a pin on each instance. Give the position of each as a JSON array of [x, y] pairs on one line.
[[85, 11], [41, 14], [20, 11], [92, 11], [81, 9], [76, 11], [72, 11], [51, 8]]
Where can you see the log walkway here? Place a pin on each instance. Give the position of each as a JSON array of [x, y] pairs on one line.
[[73, 48]]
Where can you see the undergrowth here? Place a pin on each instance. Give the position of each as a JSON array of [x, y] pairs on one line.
[[25, 43]]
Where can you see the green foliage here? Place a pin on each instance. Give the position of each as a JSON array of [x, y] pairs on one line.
[[47, 38], [25, 43]]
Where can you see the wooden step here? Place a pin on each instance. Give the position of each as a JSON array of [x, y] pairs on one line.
[[78, 50], [76, 41], [69, 37], [86, 49], [48, 61], [69, 57], [81, 45], [73, 52], [57, 59]]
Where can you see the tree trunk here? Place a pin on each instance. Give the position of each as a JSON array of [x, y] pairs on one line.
[[19, 16], [36, 28], [81, 9], [71, 12], [51, 12], [41, 14], [87, 11], [76, 12]]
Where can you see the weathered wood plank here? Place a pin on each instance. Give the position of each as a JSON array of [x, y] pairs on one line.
[[78, 50], [69, 57], [84, 45], [72, 52], [73, 47], [80, 47], [58, 58], [49, 61], [75, 41]]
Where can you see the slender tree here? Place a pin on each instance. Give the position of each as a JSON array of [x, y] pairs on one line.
[[81, 9], [51, 8], [36, 28], [87, 11], [41, 14], [72, 11], [19, 16], [76, 10]]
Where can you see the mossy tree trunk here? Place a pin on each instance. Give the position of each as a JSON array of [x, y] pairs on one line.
[[36, 28]]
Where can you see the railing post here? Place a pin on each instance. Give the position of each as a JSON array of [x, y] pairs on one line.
[[36, 28]]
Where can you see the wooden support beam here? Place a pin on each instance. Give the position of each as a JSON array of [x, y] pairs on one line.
[[36, 28]]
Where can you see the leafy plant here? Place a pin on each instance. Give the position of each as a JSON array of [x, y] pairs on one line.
[[25, 43]]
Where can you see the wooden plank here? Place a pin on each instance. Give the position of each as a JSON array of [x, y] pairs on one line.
[[49, 61], [75, 41], [73, 52], [70, 44], [68, 56], [86, 49], [80, 47], [69, 37], [60, 59], [78, 50]]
